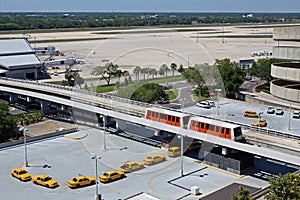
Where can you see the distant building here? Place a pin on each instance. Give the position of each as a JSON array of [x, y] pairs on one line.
[[18, 60], [287, 74], [246, 64]]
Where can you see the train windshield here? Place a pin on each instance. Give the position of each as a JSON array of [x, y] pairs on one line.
[[237, 132]]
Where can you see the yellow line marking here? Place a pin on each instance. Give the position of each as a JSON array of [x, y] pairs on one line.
[[75, 138], [221, 170]]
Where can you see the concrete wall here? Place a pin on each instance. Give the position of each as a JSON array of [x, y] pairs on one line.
[[285, 93], [285, 72], [287, 52], [287, 33]]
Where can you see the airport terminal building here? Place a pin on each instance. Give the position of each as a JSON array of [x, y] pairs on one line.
[[18, 60], [286, 74]]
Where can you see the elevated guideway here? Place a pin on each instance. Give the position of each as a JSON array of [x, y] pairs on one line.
[[126, 110]]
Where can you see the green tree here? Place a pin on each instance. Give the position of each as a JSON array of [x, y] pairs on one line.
[[173, 67], [242, 194], [137, 70], [262, 68], [193, 75], [107, 72], [180, 69], [165, 69], [7, 124], [149, 93], [284, 187], [71, 77], [153, 72], [145, 71], [231, 74]]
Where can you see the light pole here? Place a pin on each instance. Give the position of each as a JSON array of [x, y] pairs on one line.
[[23, 129], [104, 118], [218, 90], [181, 154], [289, 126], [94, 157]]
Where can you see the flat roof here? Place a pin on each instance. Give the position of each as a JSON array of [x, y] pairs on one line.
[[11, 62], [15, 46]]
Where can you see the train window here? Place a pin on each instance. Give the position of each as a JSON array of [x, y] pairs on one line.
[[197, 124], [153, 114], [163, 116], [218, 128], [193, 123], [157, 115], [223, 130], [202, 125], [237, 131], [227, 131], [177, 119], [173, 118], [211, 127], [169, 117]]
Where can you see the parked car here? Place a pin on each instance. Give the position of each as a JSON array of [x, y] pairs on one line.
[[20, 174], [45, 181], [296, 114], [80, 181], [154, 159], [131, 166], [163, 101], [111, 175], [250, 113], [260, 123], [195, 145], [174, 151], [279, 111], [270, 110], [204, 104]]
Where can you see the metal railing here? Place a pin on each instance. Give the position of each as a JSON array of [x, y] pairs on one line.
[[147, 105]]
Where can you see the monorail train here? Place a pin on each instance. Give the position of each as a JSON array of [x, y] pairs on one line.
[[199, 124]]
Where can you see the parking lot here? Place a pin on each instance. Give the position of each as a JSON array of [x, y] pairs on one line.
[[234, 111], [66, 157]]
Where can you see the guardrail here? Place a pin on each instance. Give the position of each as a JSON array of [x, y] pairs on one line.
[[147, 105]]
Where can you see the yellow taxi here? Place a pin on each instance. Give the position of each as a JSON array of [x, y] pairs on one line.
[[174, 151], [194, 145], [260, 123], [153, 159], [250, 113], [45, 181], [20, 174], [111, 175], [131, 166], [80, 181]]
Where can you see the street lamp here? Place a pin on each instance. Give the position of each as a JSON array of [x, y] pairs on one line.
[[104, 118], [218, 90], [94, 157], [289, 126], [181, 154], [23, 129]]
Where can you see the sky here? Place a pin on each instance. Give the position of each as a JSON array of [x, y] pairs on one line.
[[150, 5]]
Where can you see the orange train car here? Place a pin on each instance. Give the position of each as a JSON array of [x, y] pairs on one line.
[[215, 127], [167, 117], [199, 124]]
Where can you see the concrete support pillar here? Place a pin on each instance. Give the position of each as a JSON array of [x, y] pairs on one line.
[[156, 132], [45, 108], [13, 98], [225, 151]]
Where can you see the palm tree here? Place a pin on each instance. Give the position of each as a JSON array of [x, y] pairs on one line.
[[145, 71], [153, 72], [173, 67], [137, 70]]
